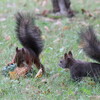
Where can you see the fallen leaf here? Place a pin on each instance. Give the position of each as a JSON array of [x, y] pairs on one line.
[[45, 12], [91, 83], [39, 74], [13, 75], [21, 71], [66, 28], [18, 72]]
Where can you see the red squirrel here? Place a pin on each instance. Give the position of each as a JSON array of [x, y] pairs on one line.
[[80, 69], [29, 36]]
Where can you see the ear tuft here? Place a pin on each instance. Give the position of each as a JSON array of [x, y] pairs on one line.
[[70, 53], [17, 49], [65, 55]]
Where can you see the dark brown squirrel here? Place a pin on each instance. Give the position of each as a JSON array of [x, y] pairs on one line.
[[80, 69], [63, 7], [29, 36]]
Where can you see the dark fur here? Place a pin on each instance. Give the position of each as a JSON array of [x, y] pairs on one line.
[[67, 3], [91, 45], [28, 34], [30, 37], [80, 69]]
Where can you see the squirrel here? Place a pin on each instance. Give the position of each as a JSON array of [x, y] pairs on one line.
[[79, 69], [29, 36]]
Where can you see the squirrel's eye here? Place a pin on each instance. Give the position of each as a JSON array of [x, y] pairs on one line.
[[60, 61]]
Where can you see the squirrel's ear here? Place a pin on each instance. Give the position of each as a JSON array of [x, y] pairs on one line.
[[65, 55], [69, 60], [70, 53], [23, 50], [17, 49]]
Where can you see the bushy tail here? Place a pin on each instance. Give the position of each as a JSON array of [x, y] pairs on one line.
[[28, 34], [91, 45]]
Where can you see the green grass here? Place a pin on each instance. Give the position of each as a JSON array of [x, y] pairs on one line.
[[57, 41]]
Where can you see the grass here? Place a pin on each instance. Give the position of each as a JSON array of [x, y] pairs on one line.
[[60, 36]]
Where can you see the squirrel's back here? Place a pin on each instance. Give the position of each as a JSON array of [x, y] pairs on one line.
[[91, 45], [28, 34]]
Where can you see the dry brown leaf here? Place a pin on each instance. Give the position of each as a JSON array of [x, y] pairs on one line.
[[13, 75], [39, 74], [91, 83], [45, 12], [21, 71], [66, 28], [18, 72]]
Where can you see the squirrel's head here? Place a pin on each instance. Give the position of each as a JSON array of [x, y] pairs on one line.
[[20, 56], [67, 60]]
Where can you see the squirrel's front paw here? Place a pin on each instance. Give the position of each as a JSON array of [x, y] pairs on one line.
[[11, 63]]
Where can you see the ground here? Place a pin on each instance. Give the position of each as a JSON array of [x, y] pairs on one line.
[[60, 36]]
